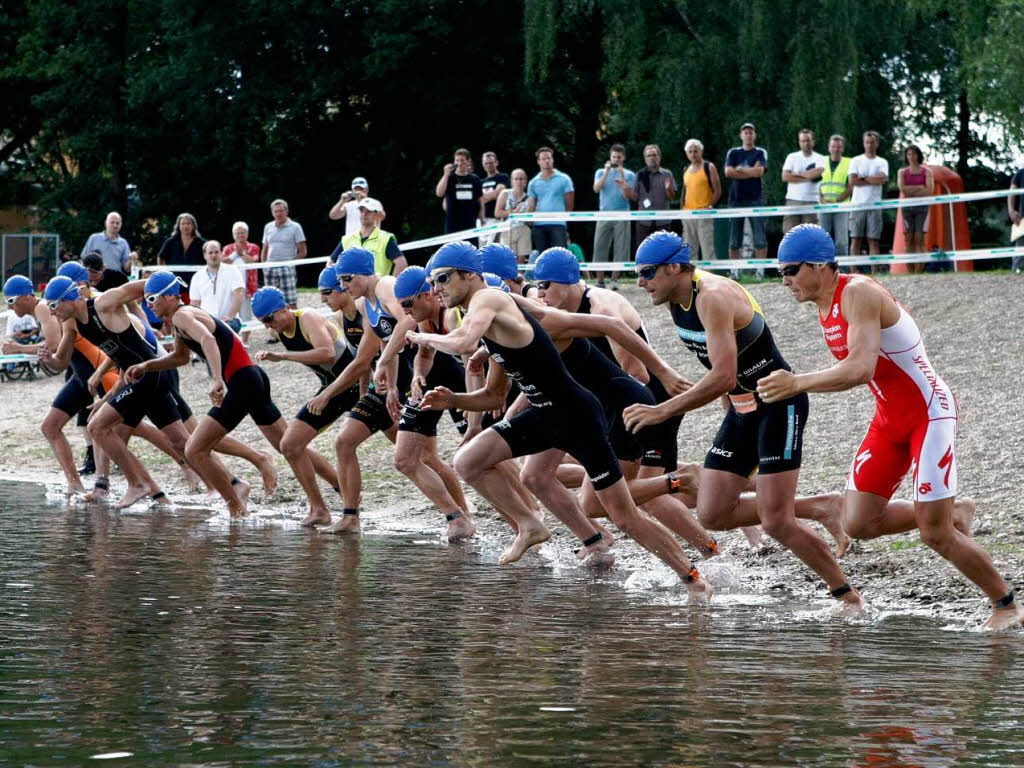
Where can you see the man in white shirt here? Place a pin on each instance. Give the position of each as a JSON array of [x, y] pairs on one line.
[[347, 207], [802, 172], [219, 288], [868, 174]]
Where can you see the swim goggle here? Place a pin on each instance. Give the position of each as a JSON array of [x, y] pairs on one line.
[[152, 297]]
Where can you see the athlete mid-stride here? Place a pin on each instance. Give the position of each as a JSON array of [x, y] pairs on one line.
[[877, 343]]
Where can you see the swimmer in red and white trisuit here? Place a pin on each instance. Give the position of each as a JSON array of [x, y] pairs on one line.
[[878, 343]]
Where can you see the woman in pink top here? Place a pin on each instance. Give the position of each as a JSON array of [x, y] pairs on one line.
[[240, 252], [915, 180]]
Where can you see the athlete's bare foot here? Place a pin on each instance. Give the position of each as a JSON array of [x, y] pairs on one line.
[[606, 535], [530, 534], [161, 499], [461, 527], [1005, 618], [132, 495], [242, 490], [832, 518], [268, 473], [754, 535], [700, 591], [963, 515], [344, 524], [852, 604], [98, 493], [192, 480], [597, 555], [316, 517], [75, 489]]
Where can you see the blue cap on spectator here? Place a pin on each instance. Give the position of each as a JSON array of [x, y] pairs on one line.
[[163, 282], [18, 285], [412, 282], [807, 243], [495, 281], [355, 261], [328, 280], [663, 247], [75, 271], [267, 300], [500, 260], [457, 255], [61, 289], [557, 265]]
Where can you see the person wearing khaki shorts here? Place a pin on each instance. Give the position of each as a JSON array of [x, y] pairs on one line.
[[513, 200], [702, 188]]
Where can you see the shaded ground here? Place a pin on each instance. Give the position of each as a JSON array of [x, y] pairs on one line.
[[974, 339]]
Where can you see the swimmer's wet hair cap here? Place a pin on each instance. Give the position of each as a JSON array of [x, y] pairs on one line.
[[807, 243], [557, 265], [500, 260], [457, 255], [267, 300], [663, 247], [355, 261], [412, 282], [18, 285]]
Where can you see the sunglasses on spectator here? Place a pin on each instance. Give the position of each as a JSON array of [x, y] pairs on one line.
[[648, 271], [440, 278], [790, 270]]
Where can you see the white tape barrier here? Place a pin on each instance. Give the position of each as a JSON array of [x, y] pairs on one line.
[[761, 211]]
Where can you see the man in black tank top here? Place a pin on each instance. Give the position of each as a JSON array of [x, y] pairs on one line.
[[720, 321], [562, 415]]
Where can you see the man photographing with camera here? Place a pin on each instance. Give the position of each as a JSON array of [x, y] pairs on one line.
[[612, 184], [347, 207]]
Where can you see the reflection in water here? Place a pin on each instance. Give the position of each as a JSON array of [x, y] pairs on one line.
[[159, 635]]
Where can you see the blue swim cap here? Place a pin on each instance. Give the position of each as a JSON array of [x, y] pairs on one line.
[[500, 260], [75, 271], [328, 280], [807, 243], [494, 281], [412, 282], [18, 285], [163, 283], [557, 265], [663, 247], [267, 300], [61, 289], [355, 261], [457, 255]]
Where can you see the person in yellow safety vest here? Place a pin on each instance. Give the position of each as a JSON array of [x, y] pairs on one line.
[[387, 258], [835, 187]]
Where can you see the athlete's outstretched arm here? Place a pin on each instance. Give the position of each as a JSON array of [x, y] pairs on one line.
[[862, 308], [487, 399], [58, 358], [116, 297], [51, 330], [477, 320], [314, 327], [368, 347]]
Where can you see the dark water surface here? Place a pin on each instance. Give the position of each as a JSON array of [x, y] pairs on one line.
[[181, 642]]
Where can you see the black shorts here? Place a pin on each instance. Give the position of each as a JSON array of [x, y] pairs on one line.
[[663, 450], [629, 446], [149, 397], [336, 407], [576, 427], [768, 439], [445, 372], [74, 397], [248, 395], [488, 419], [183, 409], [372, 411]]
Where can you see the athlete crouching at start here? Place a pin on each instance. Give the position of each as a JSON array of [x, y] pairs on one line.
[[878, 343]]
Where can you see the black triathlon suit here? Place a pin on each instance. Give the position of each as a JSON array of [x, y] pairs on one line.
[[754, 435], [663, 453], [562, 414], [372, 409], [149, 396], [74, 397], [445, 371], [248, 388], [345, 343]]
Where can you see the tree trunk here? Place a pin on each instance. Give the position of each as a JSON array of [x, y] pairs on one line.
[[963, 133]]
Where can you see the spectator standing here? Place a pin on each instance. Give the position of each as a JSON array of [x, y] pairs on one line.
[[653, 189], [239, 253], [745, 166], [283, 240], [100, 277], [1015, 208], [184, 246], [549, 191], [462, 193], [112, 247], [702, 189], [492, 186], [218, 288], [835, 187], [802, 173], [613, 183], [513, 200], [915, 180], [868, 174], [347, 207], [387, 257]]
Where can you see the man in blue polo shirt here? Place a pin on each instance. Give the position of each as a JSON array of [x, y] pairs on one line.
[[114, 249], [549, 190]]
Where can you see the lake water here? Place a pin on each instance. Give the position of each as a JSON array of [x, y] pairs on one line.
[[161, 638]]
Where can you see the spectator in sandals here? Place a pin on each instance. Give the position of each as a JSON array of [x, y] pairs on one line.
[[915, 180]]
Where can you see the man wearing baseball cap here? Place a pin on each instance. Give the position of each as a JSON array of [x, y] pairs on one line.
[[745, 166], [347, 206], [877, 342], [387, 257], [719, 321]]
